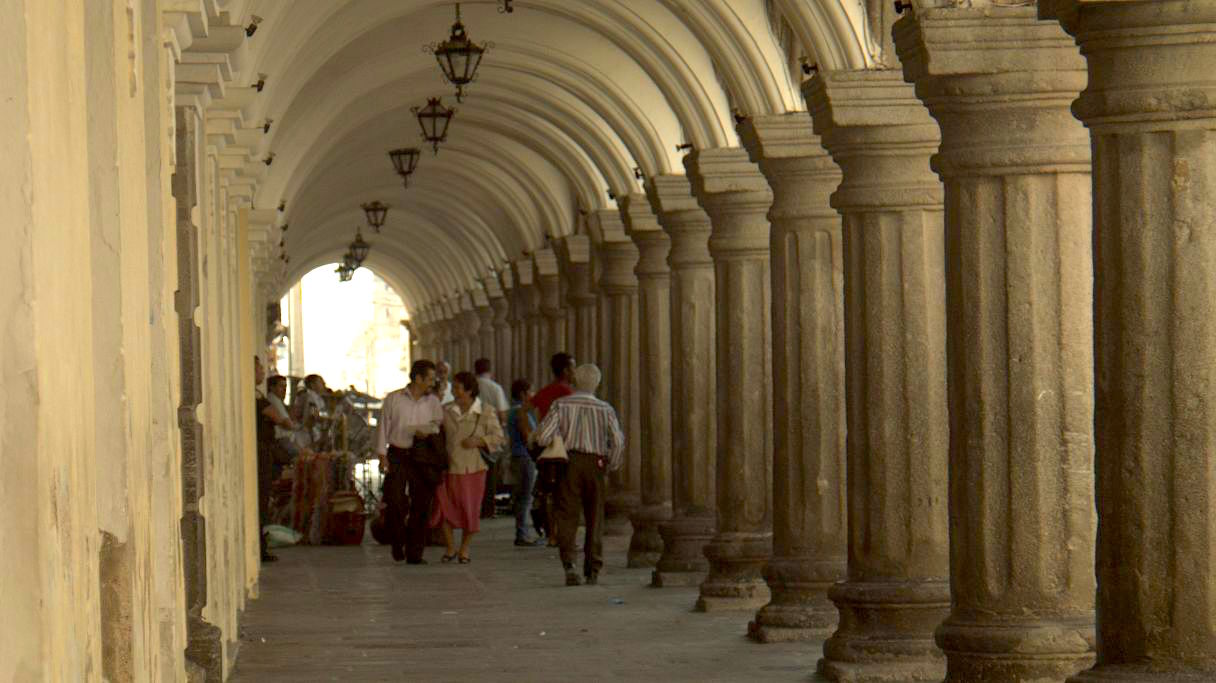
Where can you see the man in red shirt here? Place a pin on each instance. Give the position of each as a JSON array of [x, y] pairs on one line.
[[562, 385], [551, 472]]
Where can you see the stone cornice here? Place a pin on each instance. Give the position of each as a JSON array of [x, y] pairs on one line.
[[545, 263]]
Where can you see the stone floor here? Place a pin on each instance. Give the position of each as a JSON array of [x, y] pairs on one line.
[[352, 614]]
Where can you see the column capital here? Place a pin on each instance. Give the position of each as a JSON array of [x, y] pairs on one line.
[[880, 135], [1149, 62], [618, 261], [795, 163], [1005, 66], [731, 189]]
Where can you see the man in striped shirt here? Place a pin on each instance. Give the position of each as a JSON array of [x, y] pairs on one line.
[[595, 444]]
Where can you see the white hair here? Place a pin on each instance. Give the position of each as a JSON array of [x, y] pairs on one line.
[[587, 377]]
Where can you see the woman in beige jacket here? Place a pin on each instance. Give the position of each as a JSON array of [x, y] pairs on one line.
[[469, 429]]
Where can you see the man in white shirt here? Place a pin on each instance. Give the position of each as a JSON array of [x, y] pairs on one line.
[[493, 396], [595, 444], [407, 417], [443, 382], [284, 427]]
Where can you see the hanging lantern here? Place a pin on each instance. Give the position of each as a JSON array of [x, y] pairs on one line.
[[458, 57], [376, 214], [405, 160], [359, 248], [434, 119]]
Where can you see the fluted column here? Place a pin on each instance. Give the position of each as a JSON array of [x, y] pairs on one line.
[[582, 299], [485, 332], [552, 303], [694, 425], [500, 346], [1016, 169], [810, 519], [1150, 105], [470, 329], [736, 197], [897, 590], [620, 364], [654, 324]]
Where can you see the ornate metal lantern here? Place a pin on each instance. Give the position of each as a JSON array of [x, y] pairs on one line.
[[405, 160], [458, 57], [376, 214], [346, 269], [359, 248], [434, 119]]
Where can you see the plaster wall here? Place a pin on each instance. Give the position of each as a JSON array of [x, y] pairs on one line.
[[48, 525]]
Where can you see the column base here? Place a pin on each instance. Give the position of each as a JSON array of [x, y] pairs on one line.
[[204, 647], [1139, 674], [735, 581], [683, 560], [799, 610], [886, 631], [618, 508], [1016, 651], [646, 545]]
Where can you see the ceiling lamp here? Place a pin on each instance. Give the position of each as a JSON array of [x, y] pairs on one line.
[[405, 160], [458, 57], [434, 119], [376, 213], [346, 269], [359, 248]]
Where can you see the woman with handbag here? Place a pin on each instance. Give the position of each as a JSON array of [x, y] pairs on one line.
[[470, 429]]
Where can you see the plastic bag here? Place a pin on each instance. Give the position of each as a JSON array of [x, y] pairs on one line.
[[280, 536]]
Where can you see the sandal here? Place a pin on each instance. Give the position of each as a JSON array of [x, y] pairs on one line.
[[465, 560], [447, 558]]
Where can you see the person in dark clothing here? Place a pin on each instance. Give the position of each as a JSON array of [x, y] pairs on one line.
[[266, 455], [411, 449]]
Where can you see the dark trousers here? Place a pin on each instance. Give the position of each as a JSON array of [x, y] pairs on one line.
[[487, 499], [406, 514], [265, 482], [582, 490]]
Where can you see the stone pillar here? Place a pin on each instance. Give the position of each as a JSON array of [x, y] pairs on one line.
[[736, 197], [581, 299], [895, 377], [204, 648], [470, 330], [500, 347], [1149, 108], [485, 333], [552, 303], [654, 372], [694, 425], [810, 516], [1016, 169], [531, 322], [620, 365]]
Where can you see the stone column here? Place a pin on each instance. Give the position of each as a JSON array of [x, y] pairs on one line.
[[500, 346], [694, 425], [620, 365], [654, 372], [897, 589], [470, 330], [810, 517], [582, 298], [552, 303], [736, 197], [530, 323], [484, 331], [1016, 169], [1149, 105], [205, 647]]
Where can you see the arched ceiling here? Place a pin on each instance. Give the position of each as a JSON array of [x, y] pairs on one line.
[[572, 97]]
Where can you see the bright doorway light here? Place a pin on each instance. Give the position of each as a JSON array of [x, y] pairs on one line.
[[350, 333]]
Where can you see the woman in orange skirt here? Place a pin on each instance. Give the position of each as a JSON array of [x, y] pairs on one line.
[[469, 429]]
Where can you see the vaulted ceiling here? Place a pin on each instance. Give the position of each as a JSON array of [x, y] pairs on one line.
[[573, 96]]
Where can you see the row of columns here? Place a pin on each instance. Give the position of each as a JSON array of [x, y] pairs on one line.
[[914, 350]]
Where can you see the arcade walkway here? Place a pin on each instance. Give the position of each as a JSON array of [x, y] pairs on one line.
[[351, 614]]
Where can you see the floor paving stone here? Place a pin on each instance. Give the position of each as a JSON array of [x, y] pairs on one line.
[[352, 614]]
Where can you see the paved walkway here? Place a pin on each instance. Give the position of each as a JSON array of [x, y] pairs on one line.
[[352, 614]]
